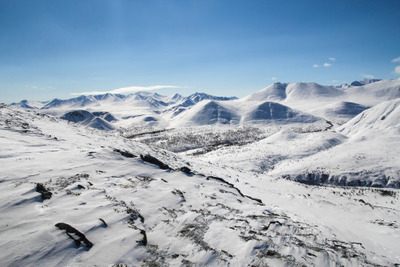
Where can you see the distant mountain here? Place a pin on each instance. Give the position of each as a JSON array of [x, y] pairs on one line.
[[374, 93], [209, 113], [280, 102], [294, 92], [274, 92], [340, 111], [152, 99], [307, 91], [28, 104], [197, 97], [275, 112], [83, 101], [364, 82], [98, 120]]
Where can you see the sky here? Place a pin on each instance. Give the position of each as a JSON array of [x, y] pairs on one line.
[[63, 48]]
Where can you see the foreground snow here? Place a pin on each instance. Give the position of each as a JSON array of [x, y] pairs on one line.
[[136, 213]]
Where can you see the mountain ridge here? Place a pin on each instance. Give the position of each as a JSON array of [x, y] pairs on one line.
[[310, 98]]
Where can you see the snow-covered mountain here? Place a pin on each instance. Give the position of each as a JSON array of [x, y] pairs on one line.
[[295, 174], [382, 118], [364, 82], [76, 196], [277, 103], [98, 120], [208, 113], [29, 104], [275, 112]]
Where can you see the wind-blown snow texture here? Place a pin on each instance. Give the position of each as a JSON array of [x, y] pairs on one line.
[[149, 180]]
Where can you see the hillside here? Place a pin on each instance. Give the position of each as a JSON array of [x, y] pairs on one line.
[[121, 206]]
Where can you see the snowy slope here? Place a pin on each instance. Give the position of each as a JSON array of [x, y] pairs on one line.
[[275, 112], [339, 112], [306, 91], [370, 156], [383, 119], [136, 213], [363, 152], [274, 92], [374, 93], [207, 113]]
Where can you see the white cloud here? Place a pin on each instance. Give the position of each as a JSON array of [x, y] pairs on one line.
[[332, 59], [397, 59], [129, 89], [315, 66], [335, 81], [327, 65], [397, 70], [274, 78], [368, 76], [31, 86]]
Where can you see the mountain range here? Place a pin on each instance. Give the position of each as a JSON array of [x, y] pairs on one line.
[[277, 103]]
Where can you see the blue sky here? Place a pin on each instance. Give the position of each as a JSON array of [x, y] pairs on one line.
[[60, 48]]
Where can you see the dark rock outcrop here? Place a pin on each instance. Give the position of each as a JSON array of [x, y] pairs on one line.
[[124, 153], [75, 235], [155, 161], [186, 170], [234, 187], [144, 239], [45, 194]]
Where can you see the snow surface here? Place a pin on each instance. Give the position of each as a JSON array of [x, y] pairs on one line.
[[296, 174], [188, 218]]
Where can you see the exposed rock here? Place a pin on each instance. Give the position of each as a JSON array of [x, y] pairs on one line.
[[124, 153], [186, 170], [45, 194], [104, 222], [75, 235], [80, 186], [237, 189], [155, 161], [144, 239]]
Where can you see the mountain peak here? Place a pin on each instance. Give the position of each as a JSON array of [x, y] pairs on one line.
[[197, 97], [364, 82]]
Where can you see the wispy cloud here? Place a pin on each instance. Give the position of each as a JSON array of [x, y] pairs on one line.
[[274, 78], [397, 70], [30, 86], [326, 64], [130, 89], [368, 76], [397, 59], [335, 81], [35, 87]]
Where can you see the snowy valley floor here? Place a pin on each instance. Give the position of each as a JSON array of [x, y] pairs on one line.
[[209, 213]]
